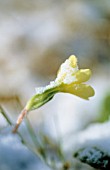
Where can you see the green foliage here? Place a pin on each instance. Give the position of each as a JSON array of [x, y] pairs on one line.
[[105, 109], [94, 157]]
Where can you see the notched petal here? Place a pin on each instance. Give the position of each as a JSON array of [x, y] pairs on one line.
[[82, 90], [82, 75]]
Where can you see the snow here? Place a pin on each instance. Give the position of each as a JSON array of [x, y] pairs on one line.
[[66, 72], [41, 90], [96, 135], [15, 156], [65, 75]]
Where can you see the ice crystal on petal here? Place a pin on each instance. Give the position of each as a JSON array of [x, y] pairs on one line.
[[67, 71]]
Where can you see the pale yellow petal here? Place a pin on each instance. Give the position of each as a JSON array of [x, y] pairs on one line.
[[81, 90], [82, 75], [73, 61]]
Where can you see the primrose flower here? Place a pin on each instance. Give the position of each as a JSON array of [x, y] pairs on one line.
[[69, 79]]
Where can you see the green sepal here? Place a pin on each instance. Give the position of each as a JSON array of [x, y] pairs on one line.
[[40, 99]]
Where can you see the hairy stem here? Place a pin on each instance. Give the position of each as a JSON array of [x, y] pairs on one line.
[[19, 120]]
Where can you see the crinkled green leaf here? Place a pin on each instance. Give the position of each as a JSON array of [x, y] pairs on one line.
[[94, 157]]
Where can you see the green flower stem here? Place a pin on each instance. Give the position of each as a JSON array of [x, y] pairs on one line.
[[10, 122], [5, 115]]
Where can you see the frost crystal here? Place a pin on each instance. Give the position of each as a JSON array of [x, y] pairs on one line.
[[41, 90], [65, 75], [67, 71]]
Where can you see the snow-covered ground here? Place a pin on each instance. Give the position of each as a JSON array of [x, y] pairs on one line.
[[15, 156]]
